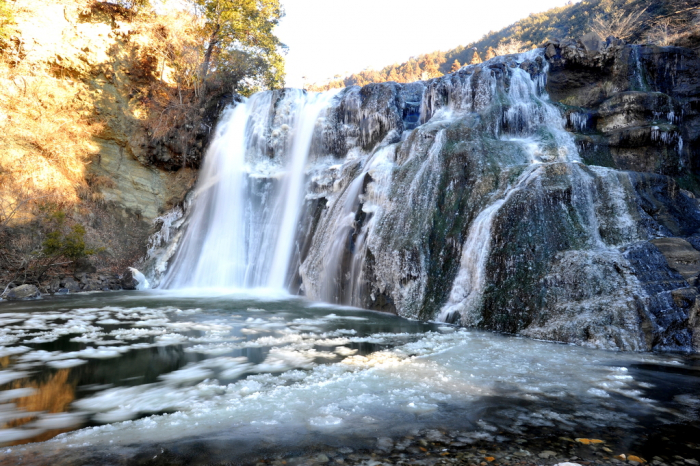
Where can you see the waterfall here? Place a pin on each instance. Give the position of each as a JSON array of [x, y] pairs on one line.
[[248, 199], [343, 198]]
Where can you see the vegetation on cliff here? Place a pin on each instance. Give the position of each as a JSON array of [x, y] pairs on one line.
[[665, 22], [102, 106]]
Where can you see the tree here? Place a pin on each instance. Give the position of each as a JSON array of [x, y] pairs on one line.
[[63, 242], [663, 33], [476, 59], [617, 22], [6, 19], [509, 47], [490, 53], [240, 32], [455, 66], [133, 5]]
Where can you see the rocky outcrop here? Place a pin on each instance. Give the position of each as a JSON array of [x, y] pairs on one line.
[[632, 107], [589, 255]]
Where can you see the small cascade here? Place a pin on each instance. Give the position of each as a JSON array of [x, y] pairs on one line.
[[638, 82], [528, 112]]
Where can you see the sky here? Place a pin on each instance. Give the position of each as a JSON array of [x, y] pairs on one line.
[[331, 37]]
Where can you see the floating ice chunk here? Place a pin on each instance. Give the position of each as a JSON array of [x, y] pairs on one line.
[[325, 421], [100, 353], [10, 375], [282, 360], [421, 407], [109, 322], [13, 350], [171, 339], [186, 375], [214, 350], [116, 415], [151, 323], [58, 421], [6, 321], [231, 368], [7, 395], [13, 435], [598, 392], [235, 372], [337, 317], [345, 351], [66, 363]]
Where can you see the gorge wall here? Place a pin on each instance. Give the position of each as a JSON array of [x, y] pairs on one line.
[[548, 194], [79, 78]]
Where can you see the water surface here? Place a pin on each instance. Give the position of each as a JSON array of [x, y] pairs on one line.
[[106, 374]]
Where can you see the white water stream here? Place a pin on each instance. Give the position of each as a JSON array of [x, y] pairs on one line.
[[249, 196]]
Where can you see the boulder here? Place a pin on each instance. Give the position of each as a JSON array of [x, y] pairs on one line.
[[70, 284], [22, 292], [128, 282]]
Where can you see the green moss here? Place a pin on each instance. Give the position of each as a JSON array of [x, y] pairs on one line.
[[689, 182]]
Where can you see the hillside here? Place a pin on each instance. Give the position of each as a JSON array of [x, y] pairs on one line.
[[664, 22]]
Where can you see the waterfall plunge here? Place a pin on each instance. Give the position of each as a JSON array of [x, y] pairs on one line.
[[249, 196]]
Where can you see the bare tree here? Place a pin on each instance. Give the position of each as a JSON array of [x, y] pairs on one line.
[[662, 33], [617, 23], [509, 47]]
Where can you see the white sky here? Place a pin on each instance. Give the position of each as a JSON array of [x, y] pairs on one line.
[[329, 37]]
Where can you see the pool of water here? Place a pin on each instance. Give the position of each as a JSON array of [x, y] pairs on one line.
[[231, 376]]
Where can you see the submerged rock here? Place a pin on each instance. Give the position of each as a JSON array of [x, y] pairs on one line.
[[22, 292]]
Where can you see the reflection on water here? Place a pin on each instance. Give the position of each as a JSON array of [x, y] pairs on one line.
[[145, 355], [154, 368]]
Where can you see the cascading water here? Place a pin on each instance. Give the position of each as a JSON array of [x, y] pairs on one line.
[[249, 196]]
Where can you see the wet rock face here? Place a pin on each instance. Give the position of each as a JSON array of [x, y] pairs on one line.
[[588, 255], [633, 107]]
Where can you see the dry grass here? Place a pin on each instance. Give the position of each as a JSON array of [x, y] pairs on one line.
[[46, 128]]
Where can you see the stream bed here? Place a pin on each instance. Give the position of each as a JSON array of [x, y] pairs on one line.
[[232, 378]]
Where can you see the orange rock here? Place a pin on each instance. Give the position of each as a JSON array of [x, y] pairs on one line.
[[589, 441], [490, 458], [423, 448], [636, 459]]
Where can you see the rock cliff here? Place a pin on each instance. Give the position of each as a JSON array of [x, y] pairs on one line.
[[92, 66]]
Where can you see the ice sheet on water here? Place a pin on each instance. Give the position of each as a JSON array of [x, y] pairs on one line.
[[8, 376], [12, 394], [66, 363], [58, 421]]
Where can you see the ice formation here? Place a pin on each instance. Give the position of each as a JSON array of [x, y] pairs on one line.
[[352, 367]]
